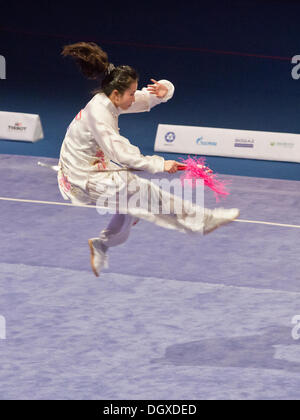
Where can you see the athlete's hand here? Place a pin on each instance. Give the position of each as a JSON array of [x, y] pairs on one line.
[[157, 89], [171, 166]]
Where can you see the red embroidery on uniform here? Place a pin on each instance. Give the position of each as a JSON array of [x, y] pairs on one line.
[[78, 116], [64, 183], [101, 162]]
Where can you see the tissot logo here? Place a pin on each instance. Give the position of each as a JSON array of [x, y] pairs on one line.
[[17, 127], [2, 67]]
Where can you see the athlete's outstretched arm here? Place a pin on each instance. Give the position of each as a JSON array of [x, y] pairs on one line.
[[157, 93]]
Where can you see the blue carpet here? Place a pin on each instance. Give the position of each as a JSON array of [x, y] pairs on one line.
[[71, 336], [174, 317]]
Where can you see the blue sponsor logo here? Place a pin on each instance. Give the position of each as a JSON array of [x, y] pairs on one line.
[[170, 137], [201, 142]]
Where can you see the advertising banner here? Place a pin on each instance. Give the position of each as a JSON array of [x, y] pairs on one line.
[[246, 144], [22, 127]]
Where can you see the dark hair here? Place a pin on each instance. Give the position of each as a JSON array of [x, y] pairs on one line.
[[94, 64]]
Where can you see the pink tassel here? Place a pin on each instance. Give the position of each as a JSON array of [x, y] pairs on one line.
[[195, 168]]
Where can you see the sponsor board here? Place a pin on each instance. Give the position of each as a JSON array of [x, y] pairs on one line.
[[248, 144], [20, 127]]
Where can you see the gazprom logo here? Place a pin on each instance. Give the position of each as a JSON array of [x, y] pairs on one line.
[[170, 136], [201, 142]]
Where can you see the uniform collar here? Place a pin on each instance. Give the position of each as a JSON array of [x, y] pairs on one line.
[[109, 105]]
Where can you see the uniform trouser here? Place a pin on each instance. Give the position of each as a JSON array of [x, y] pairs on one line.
[[117, 231], [171, 211]]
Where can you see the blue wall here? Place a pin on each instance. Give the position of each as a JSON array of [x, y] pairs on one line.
[[191, 44]]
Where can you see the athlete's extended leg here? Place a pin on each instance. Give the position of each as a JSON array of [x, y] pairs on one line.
[[172, 212]]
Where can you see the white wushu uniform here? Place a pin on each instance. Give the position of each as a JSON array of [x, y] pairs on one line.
[[92, 145]]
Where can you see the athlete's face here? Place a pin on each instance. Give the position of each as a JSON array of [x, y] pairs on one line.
[[127, 99]]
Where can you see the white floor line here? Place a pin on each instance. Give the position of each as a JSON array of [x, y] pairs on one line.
[[268, 223], [20, 200], [55, 203]]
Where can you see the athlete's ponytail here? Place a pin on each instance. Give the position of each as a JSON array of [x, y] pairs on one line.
[[94, 64], [92, 60]]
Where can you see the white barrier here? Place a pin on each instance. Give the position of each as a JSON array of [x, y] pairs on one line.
[[229, 143], [21, 127]]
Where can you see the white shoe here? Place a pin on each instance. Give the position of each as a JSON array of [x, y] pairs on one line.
[[219, 217], [99, 258]]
